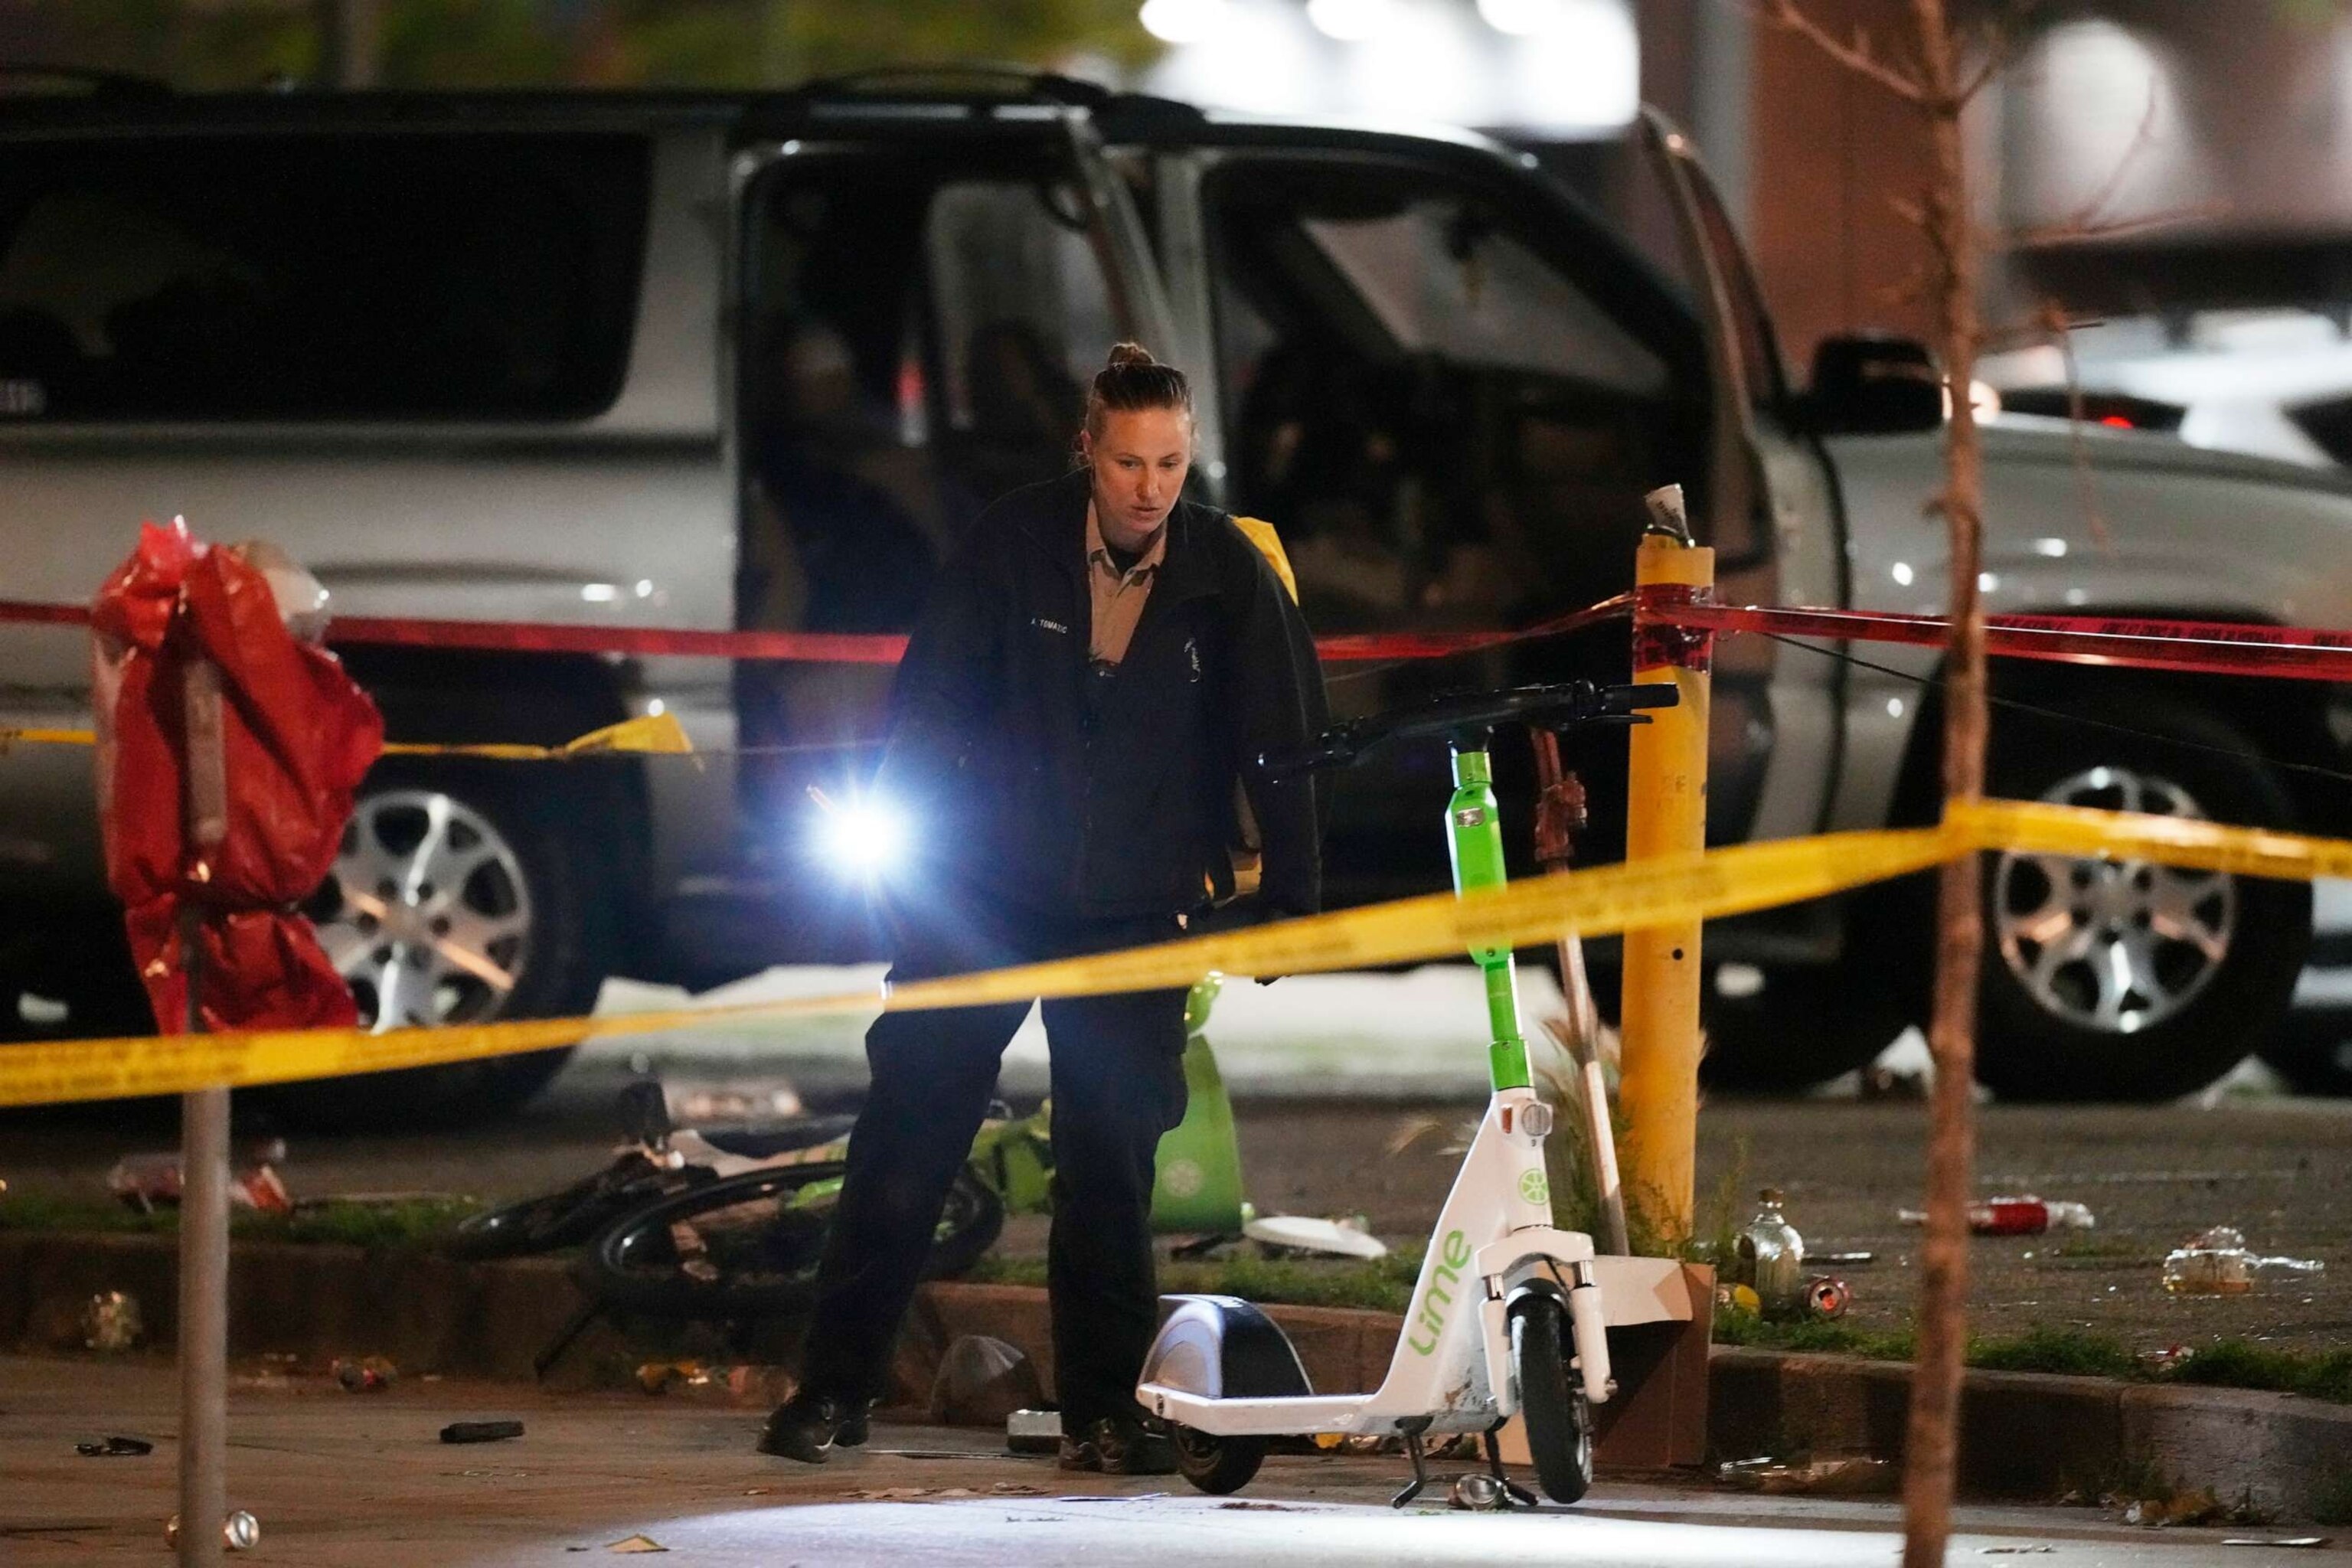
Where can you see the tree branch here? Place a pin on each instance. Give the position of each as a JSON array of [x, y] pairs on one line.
[[1855, 56]]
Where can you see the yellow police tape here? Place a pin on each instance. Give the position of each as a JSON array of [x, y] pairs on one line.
[[1604, 899], [658, 734]]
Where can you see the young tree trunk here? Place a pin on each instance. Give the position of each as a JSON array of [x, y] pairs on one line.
[[1942, 1319]]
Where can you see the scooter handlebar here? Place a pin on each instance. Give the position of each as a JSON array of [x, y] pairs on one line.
[[1560, 706]]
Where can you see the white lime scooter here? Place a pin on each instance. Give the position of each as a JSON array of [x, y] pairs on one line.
[[1507, 1316]]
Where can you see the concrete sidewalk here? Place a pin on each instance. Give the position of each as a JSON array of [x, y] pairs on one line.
[[340, 1480]]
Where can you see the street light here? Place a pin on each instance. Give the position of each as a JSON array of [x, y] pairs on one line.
[[1352, 21], [1184, 21], [1523, 18]]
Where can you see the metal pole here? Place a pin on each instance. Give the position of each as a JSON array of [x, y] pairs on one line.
[[203, 1299], [203, 1156], [1665, 815]]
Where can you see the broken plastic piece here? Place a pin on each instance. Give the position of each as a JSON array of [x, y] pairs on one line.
[[480, 1431], [2216, 1262]]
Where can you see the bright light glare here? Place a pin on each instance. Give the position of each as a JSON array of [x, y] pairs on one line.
[[865, 839], [1351, 21], [1184, 21], [1522, 18], [600, 592]]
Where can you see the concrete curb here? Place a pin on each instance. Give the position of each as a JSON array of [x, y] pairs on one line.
[[2027, 1435]]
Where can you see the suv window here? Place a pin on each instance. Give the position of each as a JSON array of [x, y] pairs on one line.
[[314, 277], [920, 337], [1445, 425]]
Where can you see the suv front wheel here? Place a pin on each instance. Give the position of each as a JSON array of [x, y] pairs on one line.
[[460, 894]]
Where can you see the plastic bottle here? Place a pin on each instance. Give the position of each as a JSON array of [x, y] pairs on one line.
[[2216, 1263], [1772, 1256], [2026, 1215]]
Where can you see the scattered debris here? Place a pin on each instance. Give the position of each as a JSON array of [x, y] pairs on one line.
[[1859, 1476], [2293, 1542], [480, 1431], [1769, 1257], [115, 1447], [2013, 1551], [1739, 1299], [148, 1181], [1477, 1491], [2216, 1262], [2198, 1507], [1892, 1083], [985, 1382], [1241, 1505], [111, 1321], [1280, 1236], [1033, 1431], [638, 1544], [2169, 1359], [240, 1532], [2026, 1215], [364, 1374], [700, 1102], [1826, 1296]]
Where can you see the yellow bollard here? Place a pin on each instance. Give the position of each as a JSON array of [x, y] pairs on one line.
[[1665, 815]]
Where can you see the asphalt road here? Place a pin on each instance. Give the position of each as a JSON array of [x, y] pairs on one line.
[[340, 1480]]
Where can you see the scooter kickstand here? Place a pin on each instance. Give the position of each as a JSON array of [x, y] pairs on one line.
[[1410, 1432], [1511, 1489]]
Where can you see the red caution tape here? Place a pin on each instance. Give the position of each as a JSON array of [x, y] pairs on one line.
[[2204, 647], [803, 648]]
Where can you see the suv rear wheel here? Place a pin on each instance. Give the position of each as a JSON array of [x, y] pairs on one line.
[[2123, 979]]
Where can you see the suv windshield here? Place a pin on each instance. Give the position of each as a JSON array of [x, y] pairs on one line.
[[309, 276]]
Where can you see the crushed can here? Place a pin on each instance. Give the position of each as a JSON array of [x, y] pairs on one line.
[[1478, 1491], [1827, 1297], [240, 1532], [365, 1374]]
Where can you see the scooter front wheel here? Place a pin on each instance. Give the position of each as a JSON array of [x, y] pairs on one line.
[[1217, 1464], [1559, 1421]]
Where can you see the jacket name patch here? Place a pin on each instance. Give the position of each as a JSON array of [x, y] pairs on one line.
[[1041, 624]]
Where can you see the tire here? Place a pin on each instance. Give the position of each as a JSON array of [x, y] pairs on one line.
[[2312, 1050], [2125, 981], [1218, 1466], [1559, 1421], [557, 1220], [755, 1240], [533, 899]]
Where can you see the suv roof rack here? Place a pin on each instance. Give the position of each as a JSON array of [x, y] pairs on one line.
[[984, 81], [93, 79]]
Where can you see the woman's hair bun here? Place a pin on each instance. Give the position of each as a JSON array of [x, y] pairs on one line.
[[1125, 354]]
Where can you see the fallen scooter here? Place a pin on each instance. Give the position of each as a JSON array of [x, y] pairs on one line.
[[1506, 1316]]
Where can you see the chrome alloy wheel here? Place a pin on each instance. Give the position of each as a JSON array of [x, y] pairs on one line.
[[430, 918], [2113, 946]]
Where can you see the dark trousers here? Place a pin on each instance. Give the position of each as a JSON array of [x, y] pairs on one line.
[[1117, 1084]]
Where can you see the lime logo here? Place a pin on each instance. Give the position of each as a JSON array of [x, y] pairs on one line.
[[1184, 1179], [1445, 1268], [1534, 1189]]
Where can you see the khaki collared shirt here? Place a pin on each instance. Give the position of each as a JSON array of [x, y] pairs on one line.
[[1118, 597]]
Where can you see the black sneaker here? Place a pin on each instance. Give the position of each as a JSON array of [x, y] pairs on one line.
[[806, 1428], [1117, 1446]]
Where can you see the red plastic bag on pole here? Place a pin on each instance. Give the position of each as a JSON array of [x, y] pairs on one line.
[[229, 750]]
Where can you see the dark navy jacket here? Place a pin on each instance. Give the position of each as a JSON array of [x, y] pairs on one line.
[[1033, 786]]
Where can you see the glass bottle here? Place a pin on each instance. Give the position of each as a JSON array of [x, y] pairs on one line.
[[1773, 1255]]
